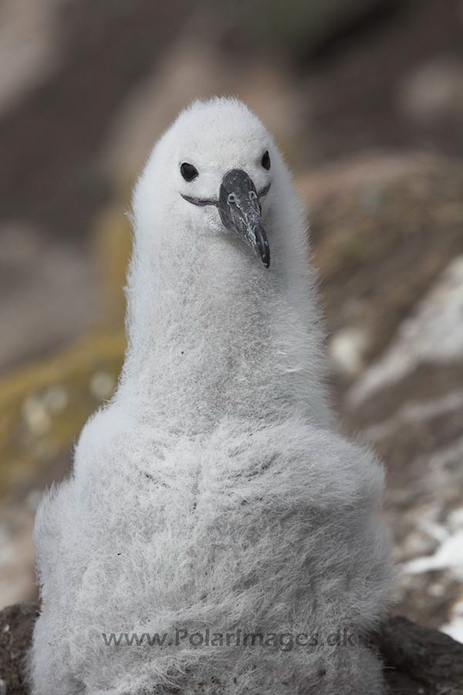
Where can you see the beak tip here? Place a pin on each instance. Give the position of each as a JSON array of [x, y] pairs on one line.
[[264, 250]]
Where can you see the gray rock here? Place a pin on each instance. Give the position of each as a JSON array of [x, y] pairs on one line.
[[16, 624]]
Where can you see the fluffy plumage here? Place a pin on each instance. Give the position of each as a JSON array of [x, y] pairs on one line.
[[213, 491]]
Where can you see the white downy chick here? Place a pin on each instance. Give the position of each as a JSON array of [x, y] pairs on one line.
[[213, 495]]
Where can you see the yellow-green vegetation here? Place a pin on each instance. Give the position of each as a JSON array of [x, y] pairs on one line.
[[112, 245], [44, 405]]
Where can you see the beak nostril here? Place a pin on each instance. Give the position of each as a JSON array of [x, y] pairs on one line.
[[253, 195], [231, 198]]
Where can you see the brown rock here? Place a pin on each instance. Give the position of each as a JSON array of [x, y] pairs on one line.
[[386, 234], [416, 659], [383, 227]]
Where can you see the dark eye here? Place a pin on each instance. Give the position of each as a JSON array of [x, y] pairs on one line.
[[188, 171], [266, 160]]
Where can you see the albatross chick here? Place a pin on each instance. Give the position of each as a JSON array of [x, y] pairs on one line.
[[217, 535]]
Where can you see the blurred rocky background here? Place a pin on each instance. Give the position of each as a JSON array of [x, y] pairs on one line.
[[365, 98]]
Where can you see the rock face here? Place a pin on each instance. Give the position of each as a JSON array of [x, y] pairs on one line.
[[388, 242], [16, 623], [420, 660], [417, 660], [383, 228]]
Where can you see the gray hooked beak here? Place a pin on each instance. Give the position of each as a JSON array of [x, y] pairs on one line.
[[240, 212]]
